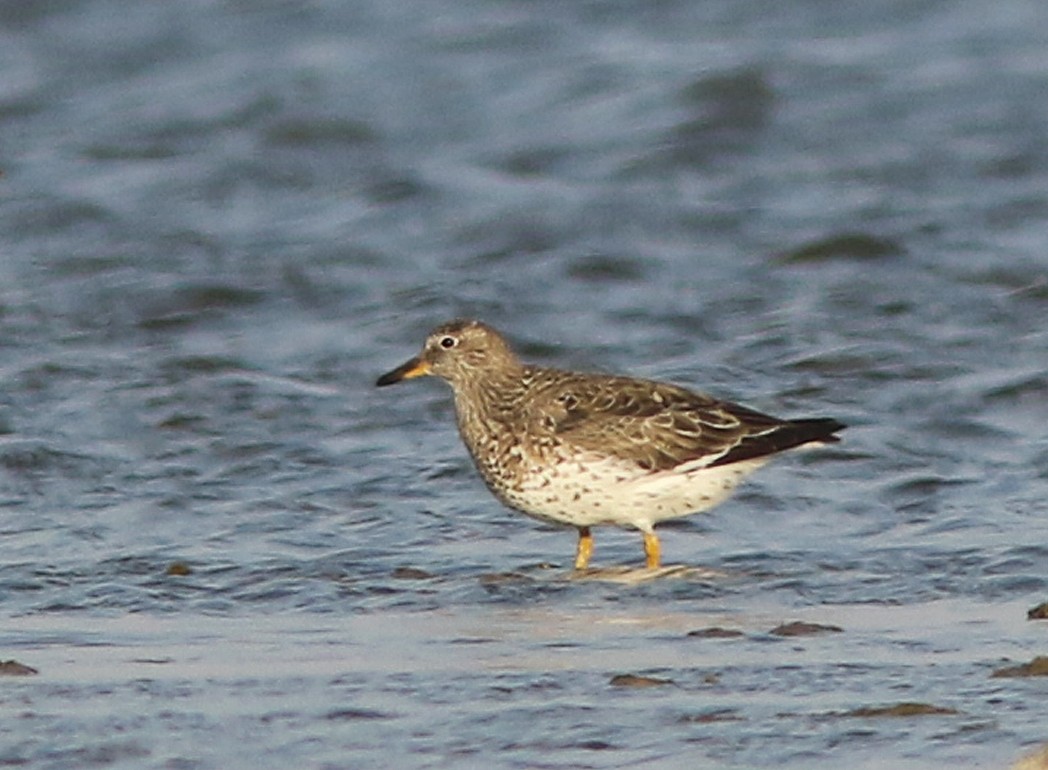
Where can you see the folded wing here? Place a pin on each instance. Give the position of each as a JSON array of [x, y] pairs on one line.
[[659, 427]]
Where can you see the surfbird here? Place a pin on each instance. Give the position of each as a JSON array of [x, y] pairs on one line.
[[583, 450]]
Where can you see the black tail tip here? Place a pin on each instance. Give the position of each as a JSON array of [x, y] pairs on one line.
[[822, 428]]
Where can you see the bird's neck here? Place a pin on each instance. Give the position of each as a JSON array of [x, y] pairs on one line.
[[487, 404]]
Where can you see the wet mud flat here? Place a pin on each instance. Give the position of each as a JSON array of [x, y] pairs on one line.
[[619, 676]]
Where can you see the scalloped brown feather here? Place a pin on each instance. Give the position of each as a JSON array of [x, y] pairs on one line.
[[660, 426]]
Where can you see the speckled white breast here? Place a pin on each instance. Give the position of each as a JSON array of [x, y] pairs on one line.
[[589, 490]]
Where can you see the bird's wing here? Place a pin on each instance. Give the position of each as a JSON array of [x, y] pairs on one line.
[[654, 425]]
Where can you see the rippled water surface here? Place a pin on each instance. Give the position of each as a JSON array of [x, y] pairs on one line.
[[222, 547]]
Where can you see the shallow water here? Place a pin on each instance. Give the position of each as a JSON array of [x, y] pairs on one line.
[[220, 221]]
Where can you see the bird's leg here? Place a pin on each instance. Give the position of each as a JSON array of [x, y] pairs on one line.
[[652, 550], [585, 548]]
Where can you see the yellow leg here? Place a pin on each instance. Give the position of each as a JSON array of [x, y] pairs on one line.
[[585, 548], [652, 550]]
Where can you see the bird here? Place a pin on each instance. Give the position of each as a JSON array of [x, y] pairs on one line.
[[587, 449]]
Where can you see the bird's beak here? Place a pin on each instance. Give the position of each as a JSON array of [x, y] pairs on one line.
[[416, 367]]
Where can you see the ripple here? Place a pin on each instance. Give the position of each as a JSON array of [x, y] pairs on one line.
[[299, 132], [855, 246], [730, 112]]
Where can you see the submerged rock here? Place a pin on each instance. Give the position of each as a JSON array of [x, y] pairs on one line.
[[906, 709], [14, 668], [709, 717], [1036, 667], [800, 628], [411, 573], [633, 680], [715, 632]]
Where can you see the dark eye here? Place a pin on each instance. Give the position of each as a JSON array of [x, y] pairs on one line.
[[448, 342]]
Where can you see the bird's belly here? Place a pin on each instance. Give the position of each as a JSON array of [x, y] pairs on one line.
[[584, 493]]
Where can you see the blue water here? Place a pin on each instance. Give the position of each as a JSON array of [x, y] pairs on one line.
[[220, 221]]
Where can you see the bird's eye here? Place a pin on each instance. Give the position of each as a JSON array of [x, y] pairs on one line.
[[448, 342]]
